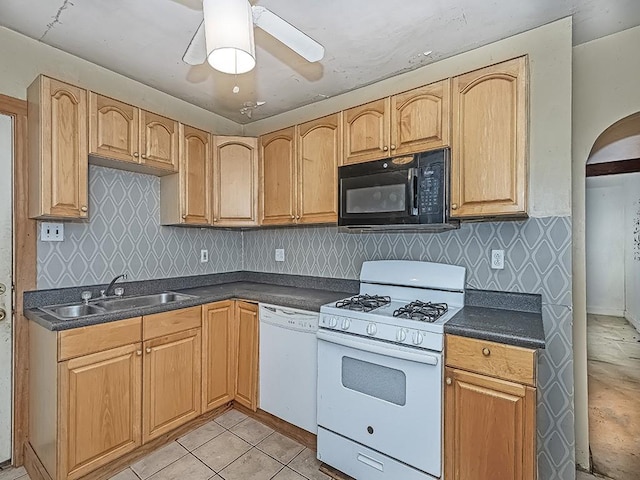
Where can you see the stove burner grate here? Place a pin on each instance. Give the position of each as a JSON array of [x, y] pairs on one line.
[[422, 311], [363, 303]]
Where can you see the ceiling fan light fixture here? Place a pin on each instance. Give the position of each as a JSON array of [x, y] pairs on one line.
[[229, 35]]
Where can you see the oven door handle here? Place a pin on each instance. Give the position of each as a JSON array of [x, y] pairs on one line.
[[400, 353]]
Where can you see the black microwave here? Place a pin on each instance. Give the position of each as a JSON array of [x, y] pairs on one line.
[[409, 192]]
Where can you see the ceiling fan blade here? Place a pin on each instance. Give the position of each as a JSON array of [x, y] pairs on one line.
[[293, 38], [196, 52]]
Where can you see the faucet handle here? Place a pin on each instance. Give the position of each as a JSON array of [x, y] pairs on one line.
[[103, 293], [86, 296], [119, 291]]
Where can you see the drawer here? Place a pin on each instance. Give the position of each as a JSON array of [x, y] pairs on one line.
[[96, 338], [498, 360], [166, 323]]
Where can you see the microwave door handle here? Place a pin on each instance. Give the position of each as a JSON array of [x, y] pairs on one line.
[[414, 189]]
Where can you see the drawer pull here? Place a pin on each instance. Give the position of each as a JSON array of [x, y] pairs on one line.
[[486, 352]]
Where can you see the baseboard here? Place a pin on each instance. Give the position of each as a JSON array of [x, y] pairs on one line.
[[633, 320], [611, 312]]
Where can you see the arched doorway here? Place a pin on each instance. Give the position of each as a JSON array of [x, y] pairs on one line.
[[613, 299]]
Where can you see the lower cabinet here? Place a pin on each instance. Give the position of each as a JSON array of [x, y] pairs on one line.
[[490, 411], [172, 382], [100, 409], [230, 354]]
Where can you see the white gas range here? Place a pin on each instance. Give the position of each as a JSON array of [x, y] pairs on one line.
[[380, 369]]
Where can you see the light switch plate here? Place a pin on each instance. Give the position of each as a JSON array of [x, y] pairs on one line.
[[279, 254], [52, 232]]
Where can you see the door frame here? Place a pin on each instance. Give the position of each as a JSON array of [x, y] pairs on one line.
[[24, 278]]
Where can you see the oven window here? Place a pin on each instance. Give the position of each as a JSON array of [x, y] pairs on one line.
[[374, 380], [379, 199]]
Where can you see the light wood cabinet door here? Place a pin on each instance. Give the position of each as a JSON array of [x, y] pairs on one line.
[[195, 176], [366, 132], [247, 327], [172, 382], [278, 173], [159, 140], [319, 153], [421, 118], [489, 428], [219, 351], [236, 181], [113, 129], [58, 161], [100, 409], [489, 149]]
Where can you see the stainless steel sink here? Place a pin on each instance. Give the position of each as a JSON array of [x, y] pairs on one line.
[[74, 311], [65, 312], [141, 301]]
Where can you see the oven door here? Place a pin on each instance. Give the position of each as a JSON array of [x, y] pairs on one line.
[[377, 196], [384, 396]]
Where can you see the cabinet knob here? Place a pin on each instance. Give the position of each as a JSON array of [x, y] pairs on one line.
[[84, 208], [293, 217], [393, 147], [215, 220], [385, 148], [297, 217], [449, 381], [184, 216], [138, 352], [454, 206], [144, 156], [486, 352], [148, 350], [136, 154]]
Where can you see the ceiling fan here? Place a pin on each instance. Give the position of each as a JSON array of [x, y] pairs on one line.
[[225, 36]]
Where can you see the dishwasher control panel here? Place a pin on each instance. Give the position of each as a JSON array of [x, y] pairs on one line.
[[292, 318]]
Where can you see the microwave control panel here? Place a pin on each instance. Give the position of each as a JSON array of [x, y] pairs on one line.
[[431, 186]]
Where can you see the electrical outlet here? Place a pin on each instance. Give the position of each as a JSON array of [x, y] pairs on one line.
[[497, 259], [204, 256], [52, 232], [279, 254]]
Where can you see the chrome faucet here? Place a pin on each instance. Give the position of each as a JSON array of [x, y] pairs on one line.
[[105, 293]]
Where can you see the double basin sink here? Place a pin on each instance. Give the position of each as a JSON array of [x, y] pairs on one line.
[[107, 305]]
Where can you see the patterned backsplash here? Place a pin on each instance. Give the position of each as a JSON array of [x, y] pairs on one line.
[[124, 235]]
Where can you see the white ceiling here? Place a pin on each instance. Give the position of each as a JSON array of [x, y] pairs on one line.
[[365, 41]]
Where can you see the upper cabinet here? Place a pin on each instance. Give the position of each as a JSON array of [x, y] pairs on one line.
[[58, 165], [409, 122], [318, 154], [235, 167], [489, 150], [122, 132], [185, 197], [277, 174], [421, 118]]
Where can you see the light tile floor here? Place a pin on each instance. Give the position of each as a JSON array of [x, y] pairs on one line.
[[231, 447]]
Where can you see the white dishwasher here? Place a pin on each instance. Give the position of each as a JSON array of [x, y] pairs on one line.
[[289, 364]]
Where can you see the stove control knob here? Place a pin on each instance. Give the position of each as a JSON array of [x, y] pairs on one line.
[[346, 323], [417, 338], [333, 322], [401, 335], [372, 329]]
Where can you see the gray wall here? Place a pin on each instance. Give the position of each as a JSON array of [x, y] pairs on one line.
[[537, 260], [124, 234]]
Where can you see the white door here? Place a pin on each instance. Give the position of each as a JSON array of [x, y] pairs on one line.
[[6, 174]]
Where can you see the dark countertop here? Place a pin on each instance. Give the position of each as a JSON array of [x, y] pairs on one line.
[[513, 327], [283, 295]]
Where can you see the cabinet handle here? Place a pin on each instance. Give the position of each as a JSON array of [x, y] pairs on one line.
[[393, 147], [148, 350], [486, 352], [84, 208], [139, 352], [144, 156], [449, 381], [136, 154], [454, 206], [385, 148]]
